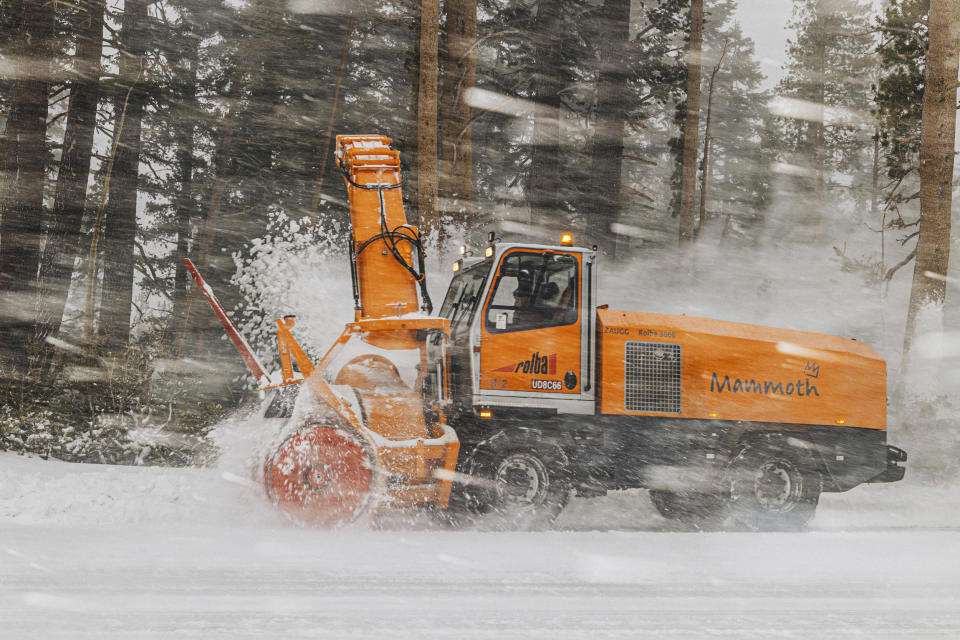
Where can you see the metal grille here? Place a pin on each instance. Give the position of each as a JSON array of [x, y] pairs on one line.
[[652, 377]]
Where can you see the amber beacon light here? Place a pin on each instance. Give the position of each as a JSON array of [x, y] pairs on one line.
[[566, 240]]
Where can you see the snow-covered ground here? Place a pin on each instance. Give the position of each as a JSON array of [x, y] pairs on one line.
[[90, 551]]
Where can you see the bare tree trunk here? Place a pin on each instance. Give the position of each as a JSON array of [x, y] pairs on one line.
[[456, 148], [407, 134], [875, 197], [875, 176], [427, 119], [937, 139], [63, 240], [543, 185], [208, 229], [324, 156], [186, 202], [691, 126], [606, 154], [821, 148], [21, 228], [120, 231], [95, 255], [705, 174]]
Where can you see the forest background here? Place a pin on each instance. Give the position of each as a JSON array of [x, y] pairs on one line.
[[136, 133]]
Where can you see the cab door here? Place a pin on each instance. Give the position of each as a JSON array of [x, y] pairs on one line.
[[532, 329]]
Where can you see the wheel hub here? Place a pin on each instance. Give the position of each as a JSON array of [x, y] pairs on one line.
[[521, 479], [776, 487], [317, 477]]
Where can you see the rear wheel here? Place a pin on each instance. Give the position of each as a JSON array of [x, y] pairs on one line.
[[774, 487], [515, 486], [701, 511]]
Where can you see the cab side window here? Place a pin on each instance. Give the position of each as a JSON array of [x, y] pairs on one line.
[[533, 291]]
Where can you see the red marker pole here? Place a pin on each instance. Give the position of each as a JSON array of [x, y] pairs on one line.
[[235, 337]]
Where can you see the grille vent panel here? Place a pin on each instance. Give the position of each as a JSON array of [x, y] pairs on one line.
[[652, 377]]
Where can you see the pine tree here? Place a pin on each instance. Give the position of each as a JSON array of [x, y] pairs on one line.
[[427, 113], [120, 230], [937, 142], [459, 76], [24, 152], [739, 170], [901, 53], [612, 107], [544, 180], [691, 125], [62, 246], [825, 96]]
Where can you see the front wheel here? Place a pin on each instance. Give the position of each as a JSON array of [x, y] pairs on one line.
[[516, 486], [774, 488]]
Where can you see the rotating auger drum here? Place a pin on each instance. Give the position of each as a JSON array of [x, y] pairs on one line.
[[321, 476]]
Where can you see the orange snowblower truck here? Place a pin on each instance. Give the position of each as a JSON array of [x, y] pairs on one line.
[[550, 395], [521, 392]]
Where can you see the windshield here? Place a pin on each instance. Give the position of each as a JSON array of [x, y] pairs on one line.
[[462, 296], [532, 291]]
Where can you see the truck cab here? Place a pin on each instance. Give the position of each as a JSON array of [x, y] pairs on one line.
[[550, 394], [522, 330]]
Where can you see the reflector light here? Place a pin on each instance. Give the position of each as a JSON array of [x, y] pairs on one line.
[[463, 249], [485, 413], [713, 415], [566, 240], [488, 252], [841, 421], [456, 266]]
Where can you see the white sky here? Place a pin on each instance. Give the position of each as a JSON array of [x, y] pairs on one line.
[[765, 21]]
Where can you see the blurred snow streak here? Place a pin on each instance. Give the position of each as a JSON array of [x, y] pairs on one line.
[[815, 112], [321, 7]]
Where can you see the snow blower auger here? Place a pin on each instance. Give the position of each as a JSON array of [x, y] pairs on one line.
[[364, 433]]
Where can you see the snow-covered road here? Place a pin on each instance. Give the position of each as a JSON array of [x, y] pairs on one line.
[[108, 552]]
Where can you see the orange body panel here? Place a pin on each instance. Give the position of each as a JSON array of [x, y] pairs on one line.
[[733, 371], [532, 359]]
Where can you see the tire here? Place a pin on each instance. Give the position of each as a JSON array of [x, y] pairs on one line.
[[514, 485], [700, 511], [774, 486]]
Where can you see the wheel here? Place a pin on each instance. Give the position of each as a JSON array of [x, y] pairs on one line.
[[515, 486], [773, 487], [701, 511], [321, 476]]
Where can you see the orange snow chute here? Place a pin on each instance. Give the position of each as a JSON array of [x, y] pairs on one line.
[[385, 277]]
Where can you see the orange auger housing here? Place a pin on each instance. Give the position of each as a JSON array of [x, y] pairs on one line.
[[361, 435]]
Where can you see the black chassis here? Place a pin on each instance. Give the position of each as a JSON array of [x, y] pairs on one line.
[[607, 452]]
